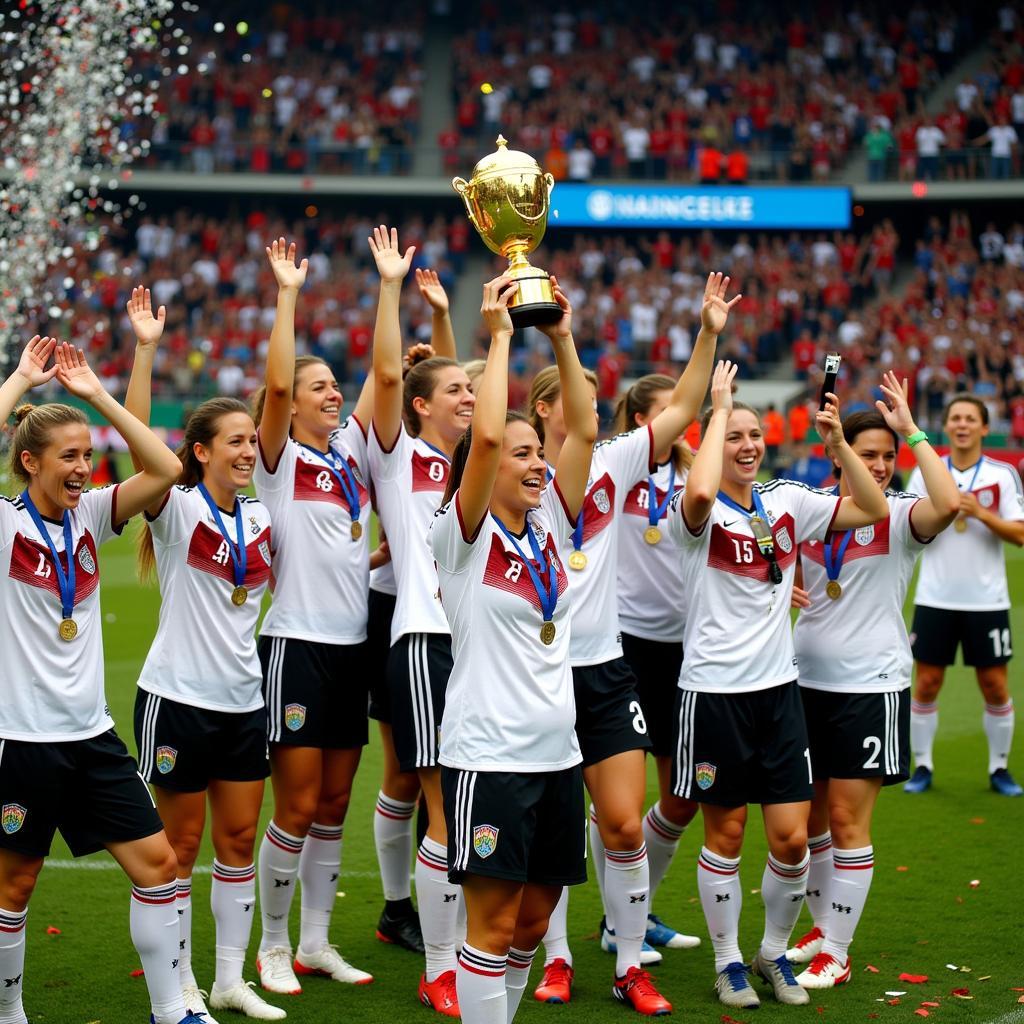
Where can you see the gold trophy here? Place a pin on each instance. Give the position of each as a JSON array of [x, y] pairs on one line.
[[507, 202]]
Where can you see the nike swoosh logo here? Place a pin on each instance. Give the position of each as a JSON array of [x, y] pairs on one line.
[[729, 523]]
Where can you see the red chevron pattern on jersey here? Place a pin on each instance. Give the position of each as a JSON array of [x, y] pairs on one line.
[[429, 473], [598, 506], [737, 553], [208, 552], [32, 563], [505, 570], [638, 501], [315, 482], [865, 542]]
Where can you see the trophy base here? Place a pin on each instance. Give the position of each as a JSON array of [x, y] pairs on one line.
[[534, 314]]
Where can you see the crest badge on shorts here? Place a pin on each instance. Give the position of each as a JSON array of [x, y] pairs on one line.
[[485, 840], [12, 817], [86, 561], [864, 536], [166, 758], [295, 716], [705, 773], [265, 551], [783, 539], [601, 501]]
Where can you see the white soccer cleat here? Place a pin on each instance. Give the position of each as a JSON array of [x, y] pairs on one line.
[[779, 974], [329, 963], [275, 970], [244, 998], [734, 989], [825, 972], [194, 998], [807, 947]]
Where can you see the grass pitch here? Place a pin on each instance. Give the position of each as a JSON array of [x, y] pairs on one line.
[[923, 915]]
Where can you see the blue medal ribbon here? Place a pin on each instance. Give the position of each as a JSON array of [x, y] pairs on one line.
[[577, 533], [65, 580], [548, 595], [834, 554], [765, 544], [977, 469], [238, 552], [343, 474], [655, 511]]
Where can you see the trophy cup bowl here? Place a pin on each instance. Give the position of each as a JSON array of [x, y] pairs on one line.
[[507, 202]]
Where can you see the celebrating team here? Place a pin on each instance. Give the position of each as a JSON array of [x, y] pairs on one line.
[[517, 552]]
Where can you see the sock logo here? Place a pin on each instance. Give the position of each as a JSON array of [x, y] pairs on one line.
[[798, 898], [174, 963], [840, 909], [282, 883], [814, 892], [181, 942], [450, 897], [334, 876], [722, 897], [246, 907], [642, 898], [11, 982]]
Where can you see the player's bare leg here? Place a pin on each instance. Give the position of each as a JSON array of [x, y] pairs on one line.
[[924, 723], [998, 722]]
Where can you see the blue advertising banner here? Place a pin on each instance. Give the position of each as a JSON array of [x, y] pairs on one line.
[[681, 206]]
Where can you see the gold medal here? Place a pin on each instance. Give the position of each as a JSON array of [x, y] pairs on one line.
[[239, 596], [68, 630], [547, 634], [357, 530], [834, 590], [960, 525], [652, 535], [577, 561]]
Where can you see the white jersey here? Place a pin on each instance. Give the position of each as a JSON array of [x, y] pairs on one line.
[[509, 705], [616, 464], [204, 652], [859, 643], [967, 571], [382, 579], [409, 481], [320, 573], [652, 599], [51, 691], [738, 637]]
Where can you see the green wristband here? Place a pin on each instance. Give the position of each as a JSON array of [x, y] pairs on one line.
[[917, 438]]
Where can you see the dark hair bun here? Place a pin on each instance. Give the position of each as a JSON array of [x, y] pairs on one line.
[[22, 411]]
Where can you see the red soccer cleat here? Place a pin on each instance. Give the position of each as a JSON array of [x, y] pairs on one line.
[[825, 972], [556, 985], [807, 947], [440, 994], [637, 989]]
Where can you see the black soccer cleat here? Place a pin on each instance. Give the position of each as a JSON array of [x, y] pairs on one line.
[[401, 930]]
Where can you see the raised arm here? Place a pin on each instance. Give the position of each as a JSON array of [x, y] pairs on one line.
[[573, 469], [387, 334], [932, 514], [280, 373], [160, 467], [866, 503], [30, 373], [488, 431], [705, 477], [148, 331], [690, 388], [442, 335]]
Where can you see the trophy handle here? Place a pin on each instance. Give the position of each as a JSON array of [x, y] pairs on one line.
[[549, 182], [463, 188]]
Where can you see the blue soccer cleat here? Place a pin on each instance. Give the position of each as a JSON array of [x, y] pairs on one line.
[[660, 934], [1004, 784], [648, 955], [920, 781]]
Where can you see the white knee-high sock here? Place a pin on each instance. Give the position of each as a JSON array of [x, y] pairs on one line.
[[319, 868], [516, 976], [480, 984], [597, 864], [661, 837], [851, 882], [392, 836], [718, 883], [819, 877], [783, 889], [556, 938], [626, 884], [998, 721], [12, 965], [278, 870], [233, 901], [153, 923], [924, 724], [439, 904], [184, 907]]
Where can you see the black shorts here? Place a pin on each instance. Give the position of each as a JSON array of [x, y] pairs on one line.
[[378, 646], [315, 693], [733, 749], [90, 790], [418, 669], [182, 747], [655, 665], [858, 735], [523, 826], [937, 632], [609, 717]]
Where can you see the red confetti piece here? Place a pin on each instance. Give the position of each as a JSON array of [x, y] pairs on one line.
[[932, 1005], [137, 973], [914, 979], [52, 931], [893, 1002], [960, 992], [1017, 989], [977, 821], [922, 1013], [871, 967], [1020, 999], [903, 867], [730, 1020]]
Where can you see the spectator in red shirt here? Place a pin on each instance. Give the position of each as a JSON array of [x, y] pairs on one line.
[[709, 165], [737, 167]]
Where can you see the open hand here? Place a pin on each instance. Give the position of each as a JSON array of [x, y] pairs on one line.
[[282, 263], [721, 385], [34, 357], [432, 290], [148, 328], [74, 372], [715, 311], [391, 264], [897, 412]]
